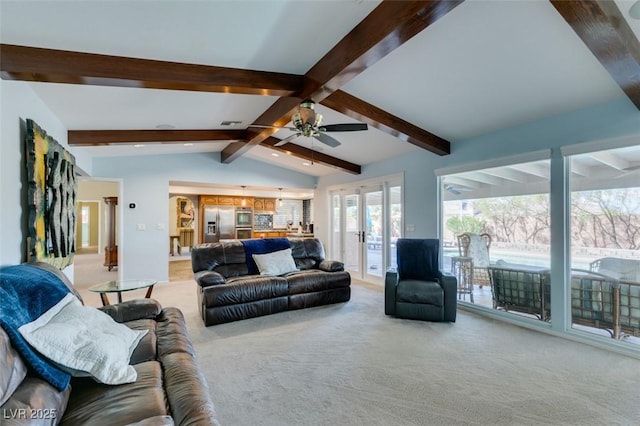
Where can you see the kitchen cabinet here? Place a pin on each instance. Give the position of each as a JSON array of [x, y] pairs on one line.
[[211, 200], [225, 200], [270, 204], [264, 204], [234, 200]]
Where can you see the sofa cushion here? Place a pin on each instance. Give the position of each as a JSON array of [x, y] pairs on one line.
[[12, 368], [35, 395], [262, 246], [316, 280], [275, 263], [420, 292], [244, 289], [93, 403], [307, 248], [418, 259], [146, 349]]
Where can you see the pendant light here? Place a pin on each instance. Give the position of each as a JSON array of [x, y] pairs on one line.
[[280, 199], [244, 200]]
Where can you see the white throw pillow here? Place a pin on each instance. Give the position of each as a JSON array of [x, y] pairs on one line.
[[85, 341], [275, 263]]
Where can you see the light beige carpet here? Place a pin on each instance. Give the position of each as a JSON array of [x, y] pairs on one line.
[[349, 364]]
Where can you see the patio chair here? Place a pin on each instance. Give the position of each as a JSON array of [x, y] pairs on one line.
[[615, 267], [476, 247], [418, 289]]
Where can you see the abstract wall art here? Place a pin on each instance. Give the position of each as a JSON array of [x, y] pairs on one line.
[[51, 200]]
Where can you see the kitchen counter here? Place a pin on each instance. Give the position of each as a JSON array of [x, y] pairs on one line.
[[279, 233]]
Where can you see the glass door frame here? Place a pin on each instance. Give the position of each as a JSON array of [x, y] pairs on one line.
[[338, 241], [367, 234]]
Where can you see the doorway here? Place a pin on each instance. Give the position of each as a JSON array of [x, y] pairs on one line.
[[91, 233], [366, 223], [87, 231]]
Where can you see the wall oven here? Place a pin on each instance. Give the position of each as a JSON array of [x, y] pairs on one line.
[[244, 217]]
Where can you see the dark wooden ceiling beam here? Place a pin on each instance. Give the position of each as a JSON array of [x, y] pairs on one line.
[[607, 34], [122, 137], [61, 66], [386, 28], [313, 156], [395, 126]]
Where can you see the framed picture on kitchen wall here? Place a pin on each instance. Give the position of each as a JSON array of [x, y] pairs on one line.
[[185, 213], [51, 199]]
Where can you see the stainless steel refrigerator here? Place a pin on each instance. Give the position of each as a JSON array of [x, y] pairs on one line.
[[219, 223]]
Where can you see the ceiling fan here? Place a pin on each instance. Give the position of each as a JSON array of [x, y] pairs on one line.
[[456, 190], [308, 123]]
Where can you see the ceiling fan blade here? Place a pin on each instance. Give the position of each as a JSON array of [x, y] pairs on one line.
[[287, 139], [327, 140], [345, 127]]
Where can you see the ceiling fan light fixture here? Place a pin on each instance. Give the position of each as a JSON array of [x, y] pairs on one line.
[[307, 113]]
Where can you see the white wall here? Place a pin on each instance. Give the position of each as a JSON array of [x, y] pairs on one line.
[[144, 253], [17, 103]]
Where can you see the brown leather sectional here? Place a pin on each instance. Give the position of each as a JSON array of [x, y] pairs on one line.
[[227, 291], [170, 388]]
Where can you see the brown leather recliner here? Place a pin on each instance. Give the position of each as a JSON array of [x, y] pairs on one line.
[[227, 291]]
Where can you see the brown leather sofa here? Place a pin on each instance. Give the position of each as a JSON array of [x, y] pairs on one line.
[[170, 389], [227, 291]]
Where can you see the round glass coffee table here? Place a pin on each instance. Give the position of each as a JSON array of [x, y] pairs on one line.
[[121, 286]]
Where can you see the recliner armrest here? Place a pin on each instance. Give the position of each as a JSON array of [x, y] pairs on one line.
[[133, 310], [208, 278], [390, 284], [449, 284], [331, 266]]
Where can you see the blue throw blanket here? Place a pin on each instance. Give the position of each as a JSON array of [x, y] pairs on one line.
[[26, 292], [263, 246]]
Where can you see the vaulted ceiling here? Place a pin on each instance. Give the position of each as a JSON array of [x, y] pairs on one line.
[[423, 75]]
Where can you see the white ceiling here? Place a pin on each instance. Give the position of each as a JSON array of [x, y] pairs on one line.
[[486, 65]]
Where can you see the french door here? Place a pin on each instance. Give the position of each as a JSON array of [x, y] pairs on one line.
[[366, 222]]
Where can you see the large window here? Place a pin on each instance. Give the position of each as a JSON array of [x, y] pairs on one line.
[[288, 212], [562, 251], [605, 243], [496, 236]]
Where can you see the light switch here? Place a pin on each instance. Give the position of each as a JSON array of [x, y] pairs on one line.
[[160, 227], [141, 227], [411, 227]]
